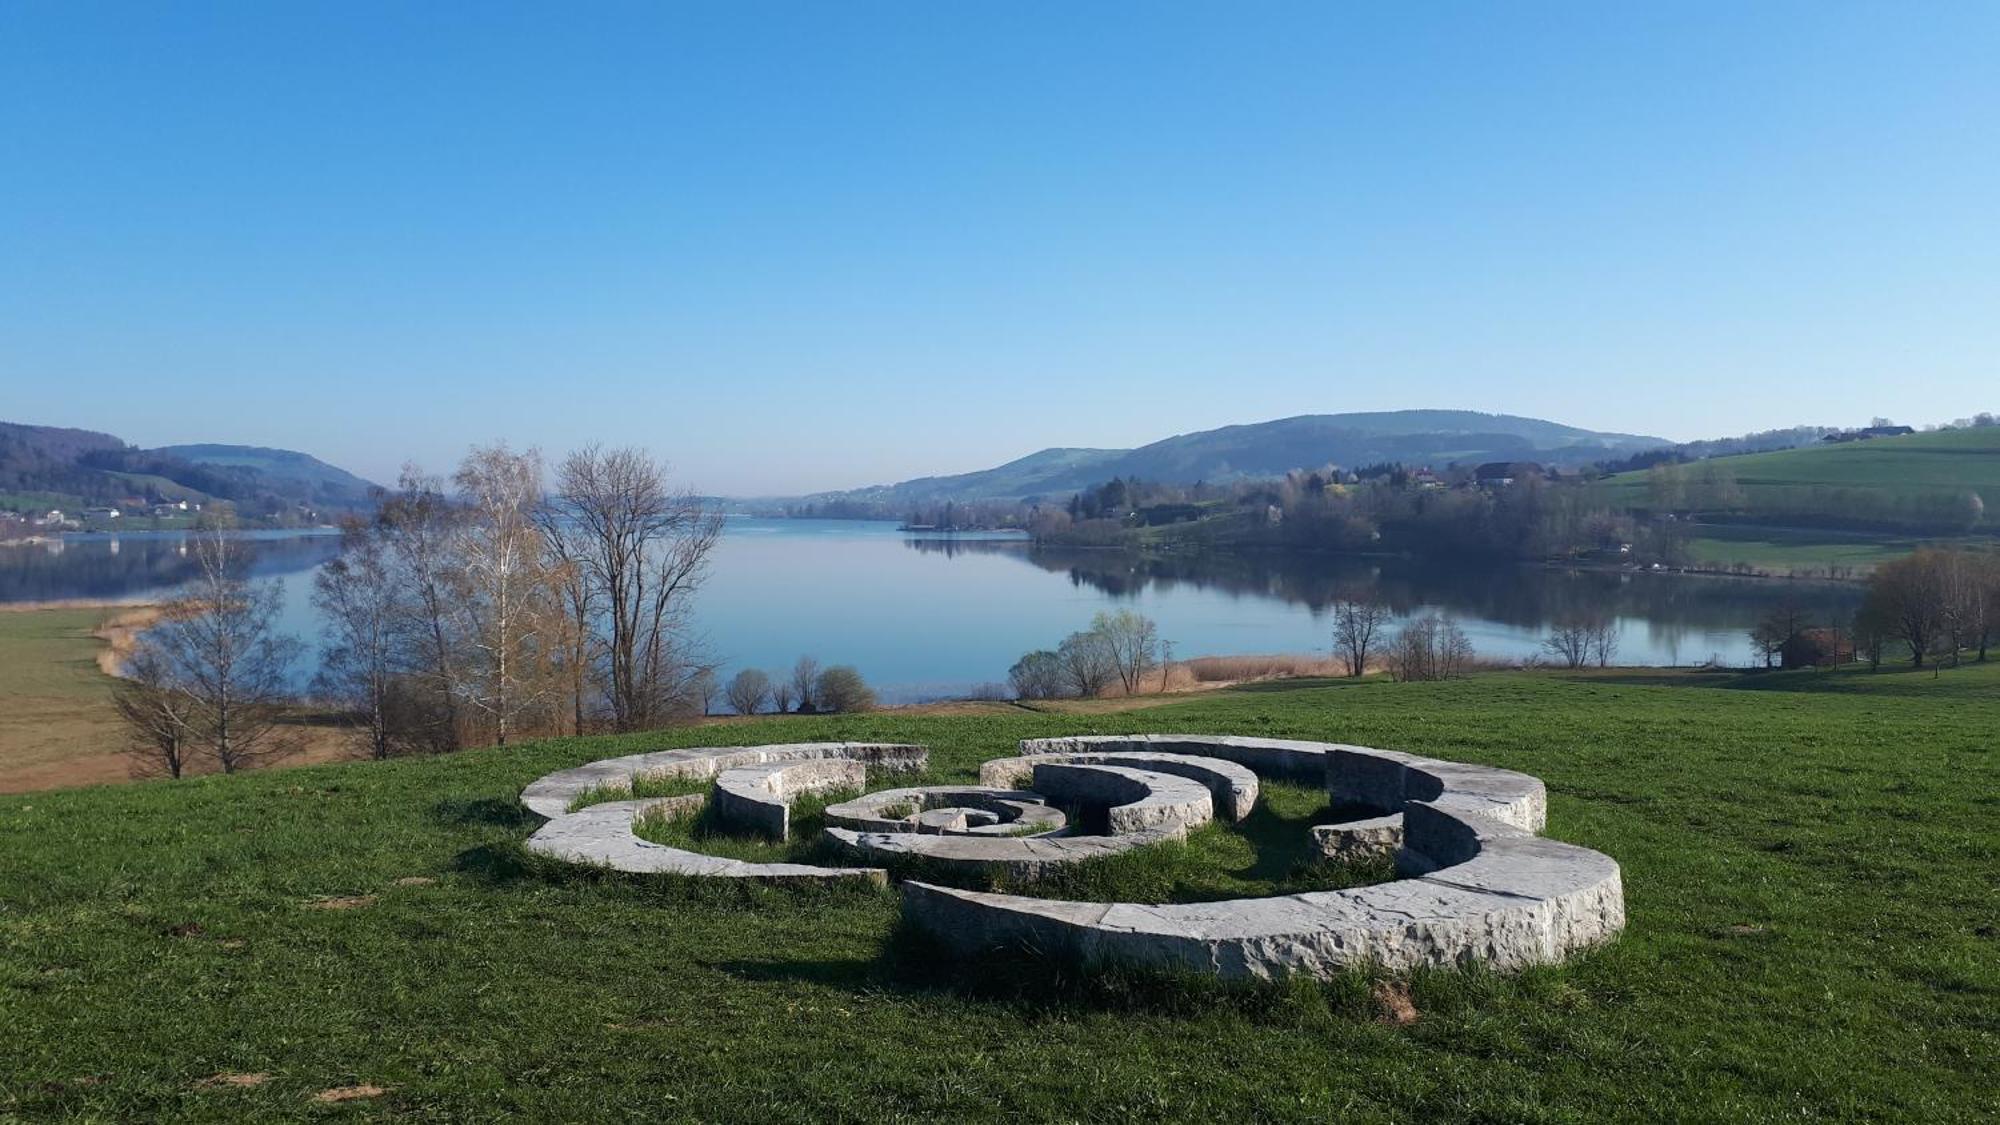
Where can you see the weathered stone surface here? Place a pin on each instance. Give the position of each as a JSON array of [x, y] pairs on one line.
[[759, 798], [1522, 901], [1266, 757], [1015, 812], [1232, 787], [1136, 800], [1368, 838], [1021, 858], [1480, 886], [601, 835], [551, 795]]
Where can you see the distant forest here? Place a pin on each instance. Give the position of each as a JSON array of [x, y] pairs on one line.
[[44, 466]]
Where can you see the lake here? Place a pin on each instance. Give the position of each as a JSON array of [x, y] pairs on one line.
[[934, 617]]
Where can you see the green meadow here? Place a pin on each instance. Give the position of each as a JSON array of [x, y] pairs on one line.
[[1810, 863], [1914, 480]]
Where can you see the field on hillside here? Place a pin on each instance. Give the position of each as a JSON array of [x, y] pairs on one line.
[[1809, 863], [57, 723], [1916, 479]]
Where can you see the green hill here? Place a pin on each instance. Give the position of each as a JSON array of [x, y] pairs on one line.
[[1944, 481], [1808, 868], [319, 482], [1269, 449], [47, 466]]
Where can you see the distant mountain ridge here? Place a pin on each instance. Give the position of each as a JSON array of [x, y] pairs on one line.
[[1264, 449], [52, 466]]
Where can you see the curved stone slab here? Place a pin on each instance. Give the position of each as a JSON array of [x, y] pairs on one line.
[[1016, 811], [1136, 800], [602, 836], [551, 795], [759, 798], [1520, 900], [1021, 858], [1232, 787], [1479, 886], [1266, 757], [1382, 779], [1375, 837]]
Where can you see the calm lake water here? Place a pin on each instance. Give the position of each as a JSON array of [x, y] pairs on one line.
[[928, 618]]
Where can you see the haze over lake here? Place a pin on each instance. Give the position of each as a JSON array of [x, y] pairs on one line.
[[927, 618]]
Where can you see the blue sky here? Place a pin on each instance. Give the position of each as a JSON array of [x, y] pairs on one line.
[[799, 246]]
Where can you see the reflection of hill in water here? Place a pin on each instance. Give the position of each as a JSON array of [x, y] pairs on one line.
[[131, 565], [1528, 597]]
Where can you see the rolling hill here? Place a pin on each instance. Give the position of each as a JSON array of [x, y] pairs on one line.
[[321, 483], [50, 466], [1944, 480], [1424, 437]]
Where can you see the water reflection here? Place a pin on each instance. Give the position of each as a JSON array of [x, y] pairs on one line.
[[139, 564], [1670, 617]]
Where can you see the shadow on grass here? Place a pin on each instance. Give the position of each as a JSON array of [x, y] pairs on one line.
[[511, 865], [495, 812], [1301, 683], [1036, 983], [1889, 680]]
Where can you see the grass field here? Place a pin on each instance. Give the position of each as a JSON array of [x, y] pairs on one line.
[[57, 724], [1777, 550], [1917, 477], [1810, 864]]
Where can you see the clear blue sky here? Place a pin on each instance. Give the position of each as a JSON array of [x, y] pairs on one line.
[[807, 245]]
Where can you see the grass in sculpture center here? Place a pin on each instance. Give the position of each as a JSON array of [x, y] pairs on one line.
[[1808, 860], [642, 787], [1269, 852]]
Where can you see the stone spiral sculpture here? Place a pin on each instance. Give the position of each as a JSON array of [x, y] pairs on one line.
[[1478, 884]]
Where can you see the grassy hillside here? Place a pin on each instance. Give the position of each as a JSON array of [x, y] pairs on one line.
[[1808, 860], [1919, 479], [58, 720], [1266, 449]]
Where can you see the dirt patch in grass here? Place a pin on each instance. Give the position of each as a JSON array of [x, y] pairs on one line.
[[348, 1094], [341, 902], [235, 1081]]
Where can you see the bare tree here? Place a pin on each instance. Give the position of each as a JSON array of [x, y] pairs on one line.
[[1038, 675], [500, 581], [805, 684], [841, 689], [781, 694], [1578, 641], [571, 636], [1604, 641], [416, 526], [219, 646], [1432, 647], [1087, 663], [1906, 601], [357, 595], [158, 716], [703, 690], [1357, 625], [1779, 627], [747, 691], [644, 552], [1132, 641], [1569, 642]]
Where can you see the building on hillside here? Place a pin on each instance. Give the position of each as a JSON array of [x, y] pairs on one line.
[[1499, 474], [102, 513], [1425, 478]]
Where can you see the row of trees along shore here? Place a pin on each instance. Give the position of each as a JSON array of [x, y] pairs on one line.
[[473, 612]]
